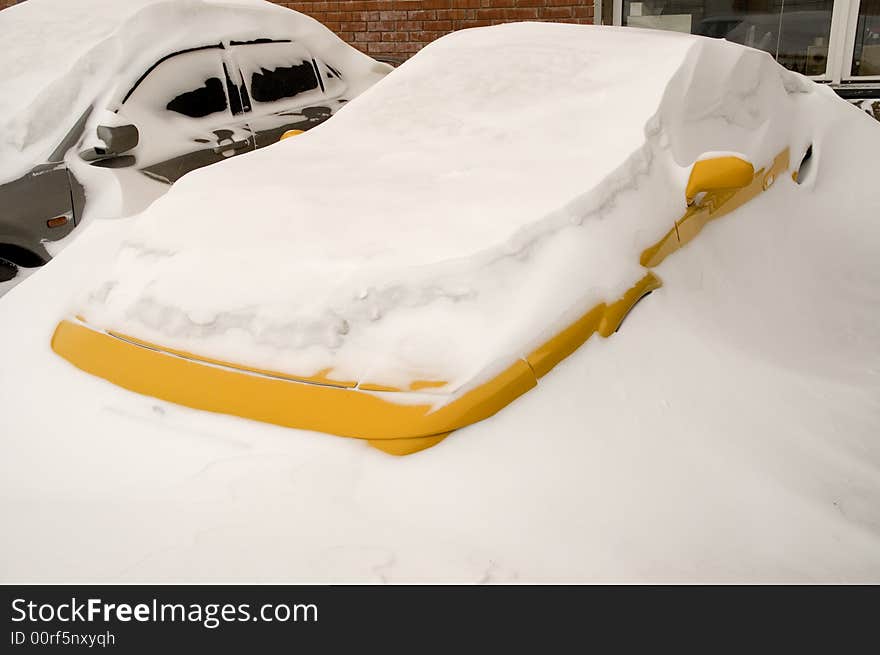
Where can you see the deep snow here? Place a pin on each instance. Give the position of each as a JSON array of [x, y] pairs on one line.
[[728, 432]]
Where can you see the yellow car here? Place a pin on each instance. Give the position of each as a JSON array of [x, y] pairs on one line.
[[417, 263]]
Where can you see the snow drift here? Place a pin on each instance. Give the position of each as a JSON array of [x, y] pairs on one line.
[[728, 432]]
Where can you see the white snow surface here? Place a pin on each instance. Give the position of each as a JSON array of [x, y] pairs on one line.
[[60, 57], [729, 432], [454, 217]]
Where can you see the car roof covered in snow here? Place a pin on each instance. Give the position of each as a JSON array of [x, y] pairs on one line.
[[59, 56]]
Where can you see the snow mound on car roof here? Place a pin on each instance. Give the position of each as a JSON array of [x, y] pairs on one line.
[[60, 56], [457, 214]]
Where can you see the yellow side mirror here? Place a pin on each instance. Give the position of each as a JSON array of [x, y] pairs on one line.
[[718, 174], [290, 133]]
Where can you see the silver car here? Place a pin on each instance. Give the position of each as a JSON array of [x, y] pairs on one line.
[[192, 107]]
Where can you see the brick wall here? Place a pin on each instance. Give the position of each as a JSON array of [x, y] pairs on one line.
[[399, 28]]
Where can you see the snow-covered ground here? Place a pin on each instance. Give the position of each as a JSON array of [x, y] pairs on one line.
[[729, 432]]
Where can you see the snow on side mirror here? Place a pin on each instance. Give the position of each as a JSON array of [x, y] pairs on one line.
[[718, 174], [118, 141]]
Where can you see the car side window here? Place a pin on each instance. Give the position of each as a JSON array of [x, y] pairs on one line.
[[334, 83], [283, 82], [185, 85], [201, 102], [278, 75]]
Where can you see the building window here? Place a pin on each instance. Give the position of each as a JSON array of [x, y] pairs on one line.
[[795, 32], [866, 53]]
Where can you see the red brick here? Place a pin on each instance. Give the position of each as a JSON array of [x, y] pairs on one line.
[[425, 37], [438, 25], [521, 14], [353, 27], [422, 15], [487, 14], [369, 37], [452, 14], [380, 48], [392, 15], [556, 12], [362, 6], [394, 37], [408, 25], [474, 23], [436, 4], [313, 6], [381, 26], [372, 5]]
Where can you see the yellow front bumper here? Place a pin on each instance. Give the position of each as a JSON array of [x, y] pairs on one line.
[[395, 421], [398, 428]]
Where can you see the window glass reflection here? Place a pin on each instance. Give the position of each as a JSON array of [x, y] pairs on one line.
[[866, 55], [795, 32]]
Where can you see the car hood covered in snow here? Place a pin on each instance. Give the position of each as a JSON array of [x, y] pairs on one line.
[[60, 56], [510, 152]]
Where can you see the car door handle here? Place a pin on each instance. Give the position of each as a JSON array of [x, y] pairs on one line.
[[235, 146]]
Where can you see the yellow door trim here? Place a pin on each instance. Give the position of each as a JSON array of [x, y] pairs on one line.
[[716, 202]]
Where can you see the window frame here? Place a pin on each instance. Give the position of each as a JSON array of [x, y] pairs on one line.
[[267, 106], [146, 74], [227, 49]]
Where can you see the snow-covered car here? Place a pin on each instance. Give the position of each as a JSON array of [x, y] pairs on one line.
[[131, 85], [400, 318], [500, 183]]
